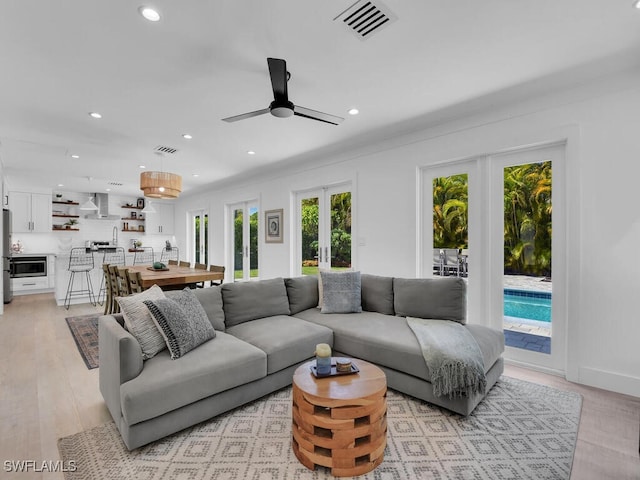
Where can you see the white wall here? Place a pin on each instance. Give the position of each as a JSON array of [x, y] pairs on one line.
[[603, 217]]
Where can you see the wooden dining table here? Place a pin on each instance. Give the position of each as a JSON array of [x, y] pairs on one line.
[[175, 276]]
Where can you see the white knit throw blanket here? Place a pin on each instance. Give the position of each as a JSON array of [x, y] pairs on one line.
[[452, 356]]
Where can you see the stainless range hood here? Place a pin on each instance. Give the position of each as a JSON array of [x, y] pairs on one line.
[[102, 202]]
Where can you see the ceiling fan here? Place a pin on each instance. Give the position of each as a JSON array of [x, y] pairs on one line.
[[281, 106]]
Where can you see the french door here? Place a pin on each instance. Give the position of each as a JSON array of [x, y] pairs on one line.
[[244, 240], [528, 252], [324, 229], [199, 224]]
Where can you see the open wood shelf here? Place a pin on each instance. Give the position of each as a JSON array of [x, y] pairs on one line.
[[65, 203], [132, 207], [65, 215], [65, 229], [134, 219]]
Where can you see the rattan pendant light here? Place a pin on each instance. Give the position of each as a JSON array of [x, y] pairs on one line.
[[160, 184]]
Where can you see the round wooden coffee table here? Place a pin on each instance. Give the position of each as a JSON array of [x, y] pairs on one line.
[[340, 422]]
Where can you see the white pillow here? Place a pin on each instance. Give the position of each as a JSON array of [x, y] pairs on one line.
[[138, 321]]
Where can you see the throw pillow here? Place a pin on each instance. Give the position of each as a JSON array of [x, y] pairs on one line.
[[138, 321], [302, 293], [182, 321], [341, 292]]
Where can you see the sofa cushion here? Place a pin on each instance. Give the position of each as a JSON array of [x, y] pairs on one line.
[[377, 294], [211, 300], [182, 322], [302, 292], [389, 341], [138, 321], [244, 301], [286, 340], [435, 298], [341, 292], [165, 385]]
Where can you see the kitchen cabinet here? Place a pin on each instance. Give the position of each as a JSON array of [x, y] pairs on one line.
[[30, 212], [161, 222]]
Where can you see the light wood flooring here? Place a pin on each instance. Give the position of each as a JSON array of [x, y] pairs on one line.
[[47, 392]]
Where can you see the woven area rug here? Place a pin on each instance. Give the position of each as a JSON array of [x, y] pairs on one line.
[[84, 329], [521, 431]]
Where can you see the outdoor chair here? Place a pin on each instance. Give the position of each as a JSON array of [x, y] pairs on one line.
[[451, 261], [438, 261]]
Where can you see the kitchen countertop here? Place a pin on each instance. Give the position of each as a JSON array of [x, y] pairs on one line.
[[30, 254]]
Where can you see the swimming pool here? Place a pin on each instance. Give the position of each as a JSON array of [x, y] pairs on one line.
[[527, 304]]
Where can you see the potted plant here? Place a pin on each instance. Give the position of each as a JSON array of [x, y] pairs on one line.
[[71, 223]]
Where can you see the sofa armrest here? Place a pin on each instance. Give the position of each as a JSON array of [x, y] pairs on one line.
[[120, 361]]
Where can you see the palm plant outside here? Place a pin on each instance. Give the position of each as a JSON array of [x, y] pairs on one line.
[[527, 217]]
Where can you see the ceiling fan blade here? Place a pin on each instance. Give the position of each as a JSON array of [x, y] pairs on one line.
[[315, 115], [246, 115], [278, 73]]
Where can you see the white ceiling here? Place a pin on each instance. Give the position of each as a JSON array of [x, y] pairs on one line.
[[206, 60]]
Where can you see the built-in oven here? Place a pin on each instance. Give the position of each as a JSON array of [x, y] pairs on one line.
[[28, 266]]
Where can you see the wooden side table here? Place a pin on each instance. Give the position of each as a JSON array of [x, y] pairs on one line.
[[340, 422]]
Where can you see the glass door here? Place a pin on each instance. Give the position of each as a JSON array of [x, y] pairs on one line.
[[452, 226], [529, 247], [324, 218], [244, 241], [200, 237]]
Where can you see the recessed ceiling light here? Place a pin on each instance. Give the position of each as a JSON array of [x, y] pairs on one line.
[[75, 156], [108, 189], [196, 174], [355, 111], [95, 115], [637, 4], [142, 166], [149, 13], [60, 185], [186, 136], [251, 152]]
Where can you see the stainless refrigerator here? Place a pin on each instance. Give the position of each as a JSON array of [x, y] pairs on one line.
[[6, 255]]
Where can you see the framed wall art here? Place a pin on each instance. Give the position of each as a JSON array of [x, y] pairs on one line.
[[273, 223]]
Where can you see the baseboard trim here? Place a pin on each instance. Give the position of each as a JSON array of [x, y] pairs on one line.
[[614, 382], [537, 368]]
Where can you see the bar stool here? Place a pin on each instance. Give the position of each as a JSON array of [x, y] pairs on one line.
[[110, 258], [143, 255], [169, 253], [79, 262]]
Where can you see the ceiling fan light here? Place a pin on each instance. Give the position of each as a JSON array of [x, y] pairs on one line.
[[160, 184], [282, 112]]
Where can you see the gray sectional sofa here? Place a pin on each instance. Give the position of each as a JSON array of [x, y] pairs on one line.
[[263, 331]]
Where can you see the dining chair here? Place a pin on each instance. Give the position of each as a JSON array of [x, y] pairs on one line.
[[173, 262], [80, 261], [200, 266], [116, 257], [115, 288], [143, 256], [109, 297], [169, 253], [123, 282], [185, 264], [134, 279], [218, 269]]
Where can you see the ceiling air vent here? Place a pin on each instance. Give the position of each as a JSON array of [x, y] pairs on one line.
[[364, 19], [163, 149], [116, 184]]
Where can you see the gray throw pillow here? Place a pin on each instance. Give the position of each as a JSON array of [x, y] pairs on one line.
[[341, 292], [302, 293], [138, 321], [182, 322], [377, 294]]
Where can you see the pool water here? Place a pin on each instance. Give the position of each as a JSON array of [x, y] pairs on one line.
[[529, 305]]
